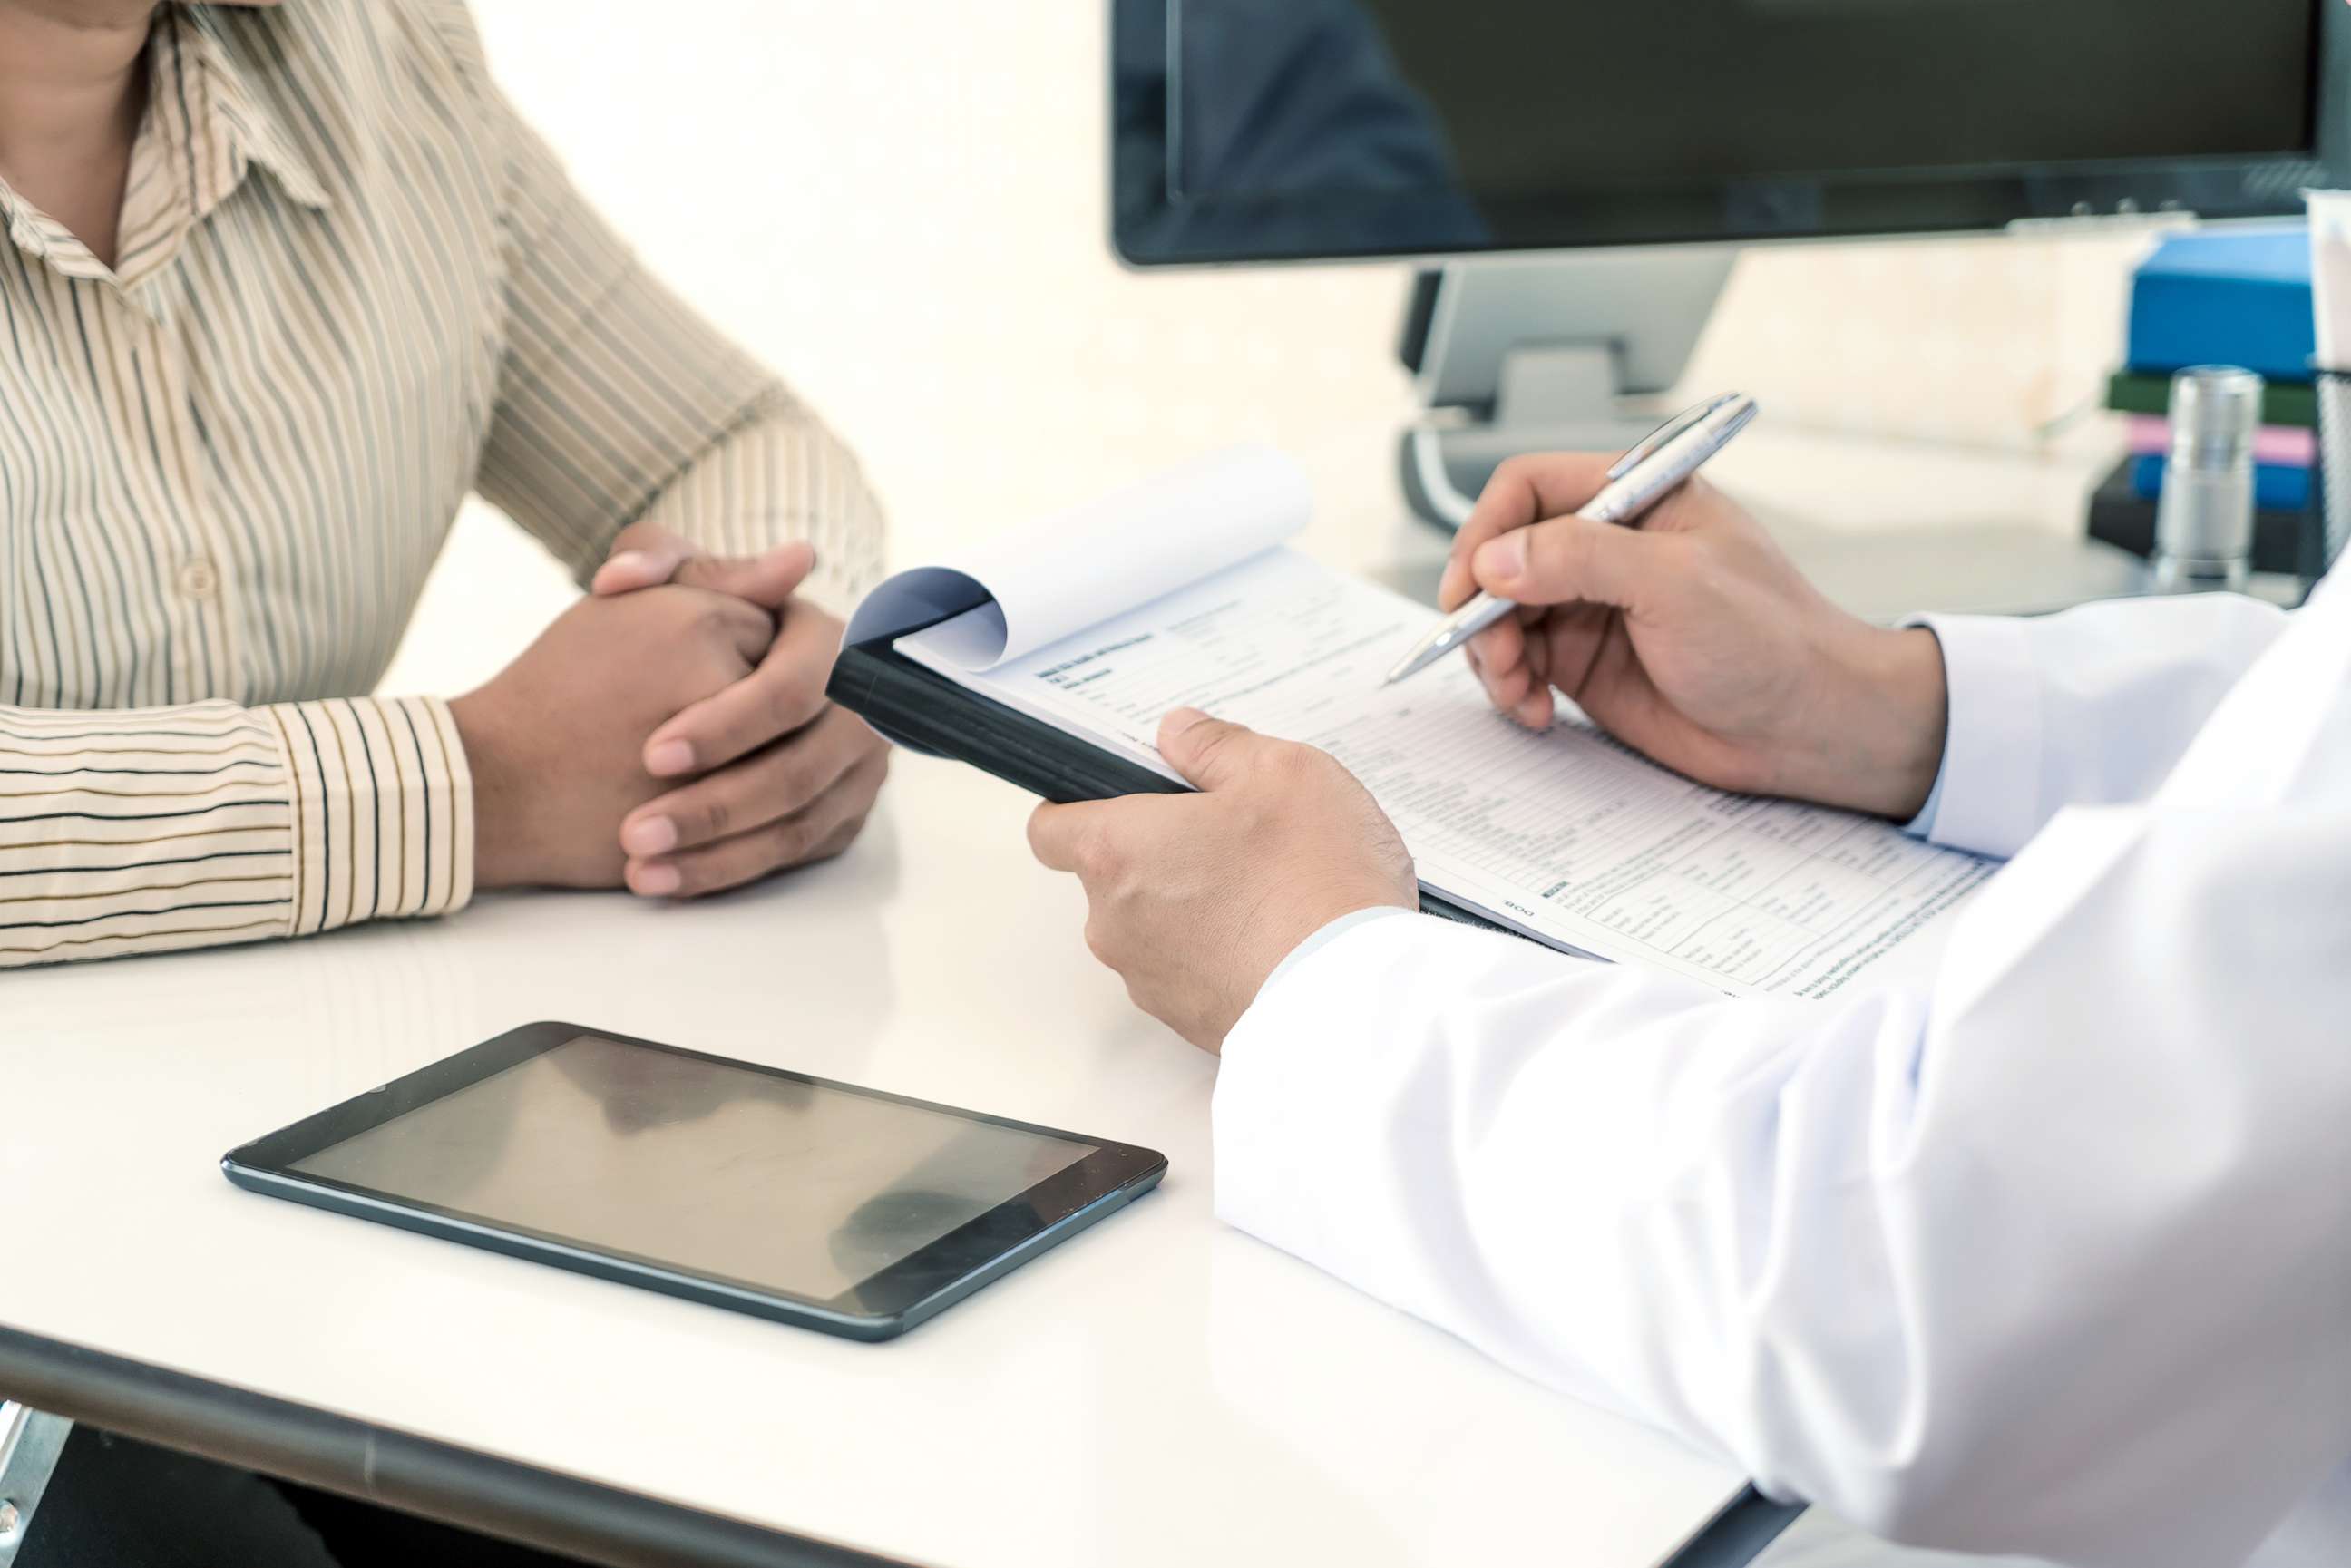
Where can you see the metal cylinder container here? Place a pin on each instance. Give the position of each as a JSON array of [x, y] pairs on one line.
[[2204, 520]]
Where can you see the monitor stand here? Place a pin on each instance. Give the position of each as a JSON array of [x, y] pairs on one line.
[[1537, 355]]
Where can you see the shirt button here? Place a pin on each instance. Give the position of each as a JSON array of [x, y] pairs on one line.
[[198, 579]]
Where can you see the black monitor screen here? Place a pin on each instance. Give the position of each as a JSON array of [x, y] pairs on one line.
[[1338, 127]]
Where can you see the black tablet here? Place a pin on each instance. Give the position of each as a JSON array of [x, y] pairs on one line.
[[773, 1193]]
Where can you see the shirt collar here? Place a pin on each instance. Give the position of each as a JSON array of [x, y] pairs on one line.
[[252, 121], [206, 123]]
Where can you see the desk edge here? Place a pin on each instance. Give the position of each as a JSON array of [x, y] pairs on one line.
[[561, 1513], [505, 1498]]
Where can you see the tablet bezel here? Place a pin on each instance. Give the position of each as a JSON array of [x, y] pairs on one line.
[[885, 1304]]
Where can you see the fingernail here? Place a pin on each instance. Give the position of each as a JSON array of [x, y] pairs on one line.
[[670, 757], [655, 881], [653, 836], [631, 567], [1503, 557]]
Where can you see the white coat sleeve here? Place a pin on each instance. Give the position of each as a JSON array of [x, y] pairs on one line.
[[2088, 707], [2054, 1260]]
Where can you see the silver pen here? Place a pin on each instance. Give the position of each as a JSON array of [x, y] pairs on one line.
[[1637, 481]]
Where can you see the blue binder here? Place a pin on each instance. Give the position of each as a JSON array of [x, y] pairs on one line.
[[2236, 297]]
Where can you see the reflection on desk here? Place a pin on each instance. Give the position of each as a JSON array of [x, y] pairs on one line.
[[1159, 1390]]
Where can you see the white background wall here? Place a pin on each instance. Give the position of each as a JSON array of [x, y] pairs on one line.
[[899, 204]]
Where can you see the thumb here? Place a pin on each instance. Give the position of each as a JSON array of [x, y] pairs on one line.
[[1569, 560], [1211, 753], [766, 580], [644, 556]]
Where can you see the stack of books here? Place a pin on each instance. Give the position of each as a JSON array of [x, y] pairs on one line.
[[2229, 296]]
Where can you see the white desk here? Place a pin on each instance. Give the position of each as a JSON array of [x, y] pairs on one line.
[[1160, 1390]]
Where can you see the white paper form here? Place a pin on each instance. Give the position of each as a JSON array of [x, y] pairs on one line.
[[1566, 836], [1061, 575]]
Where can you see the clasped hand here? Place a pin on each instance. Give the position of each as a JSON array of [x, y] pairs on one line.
[[670, 731]]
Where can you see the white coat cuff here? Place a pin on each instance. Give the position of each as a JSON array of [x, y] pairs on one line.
[[1287, 1089], [1987, 797], [1324, 937]]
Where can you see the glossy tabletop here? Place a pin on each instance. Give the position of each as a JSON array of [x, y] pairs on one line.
[[1160, 1389]]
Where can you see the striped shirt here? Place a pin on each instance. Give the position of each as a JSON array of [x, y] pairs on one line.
[[350, 287]]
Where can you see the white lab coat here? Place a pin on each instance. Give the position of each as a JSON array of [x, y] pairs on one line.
[[2053, 1258]]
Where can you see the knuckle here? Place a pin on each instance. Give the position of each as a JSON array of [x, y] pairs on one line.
[[1299, 764], [1558, 554], [1099, 941], [695, 619], [1548, 546], [792, 842], [794, 781], [1097, 854], [742, 614], [1215, 748], [1518, 469], [838, 842], [692, 572], [795, 696], [717, 616]]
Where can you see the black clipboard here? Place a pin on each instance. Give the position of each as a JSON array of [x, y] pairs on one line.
[[923, 710]]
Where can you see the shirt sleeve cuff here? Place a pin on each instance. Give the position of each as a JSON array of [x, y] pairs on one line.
[[383, 810], [1986, 797]]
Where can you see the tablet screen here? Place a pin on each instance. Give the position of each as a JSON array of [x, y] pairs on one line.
[[797, 1188]]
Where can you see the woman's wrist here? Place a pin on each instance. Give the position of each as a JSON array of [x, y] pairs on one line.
[[498, 861]]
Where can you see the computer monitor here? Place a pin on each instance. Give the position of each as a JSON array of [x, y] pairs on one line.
[[1602, 159]]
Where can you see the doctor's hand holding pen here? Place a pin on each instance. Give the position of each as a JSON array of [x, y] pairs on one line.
[[1692, 639]]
